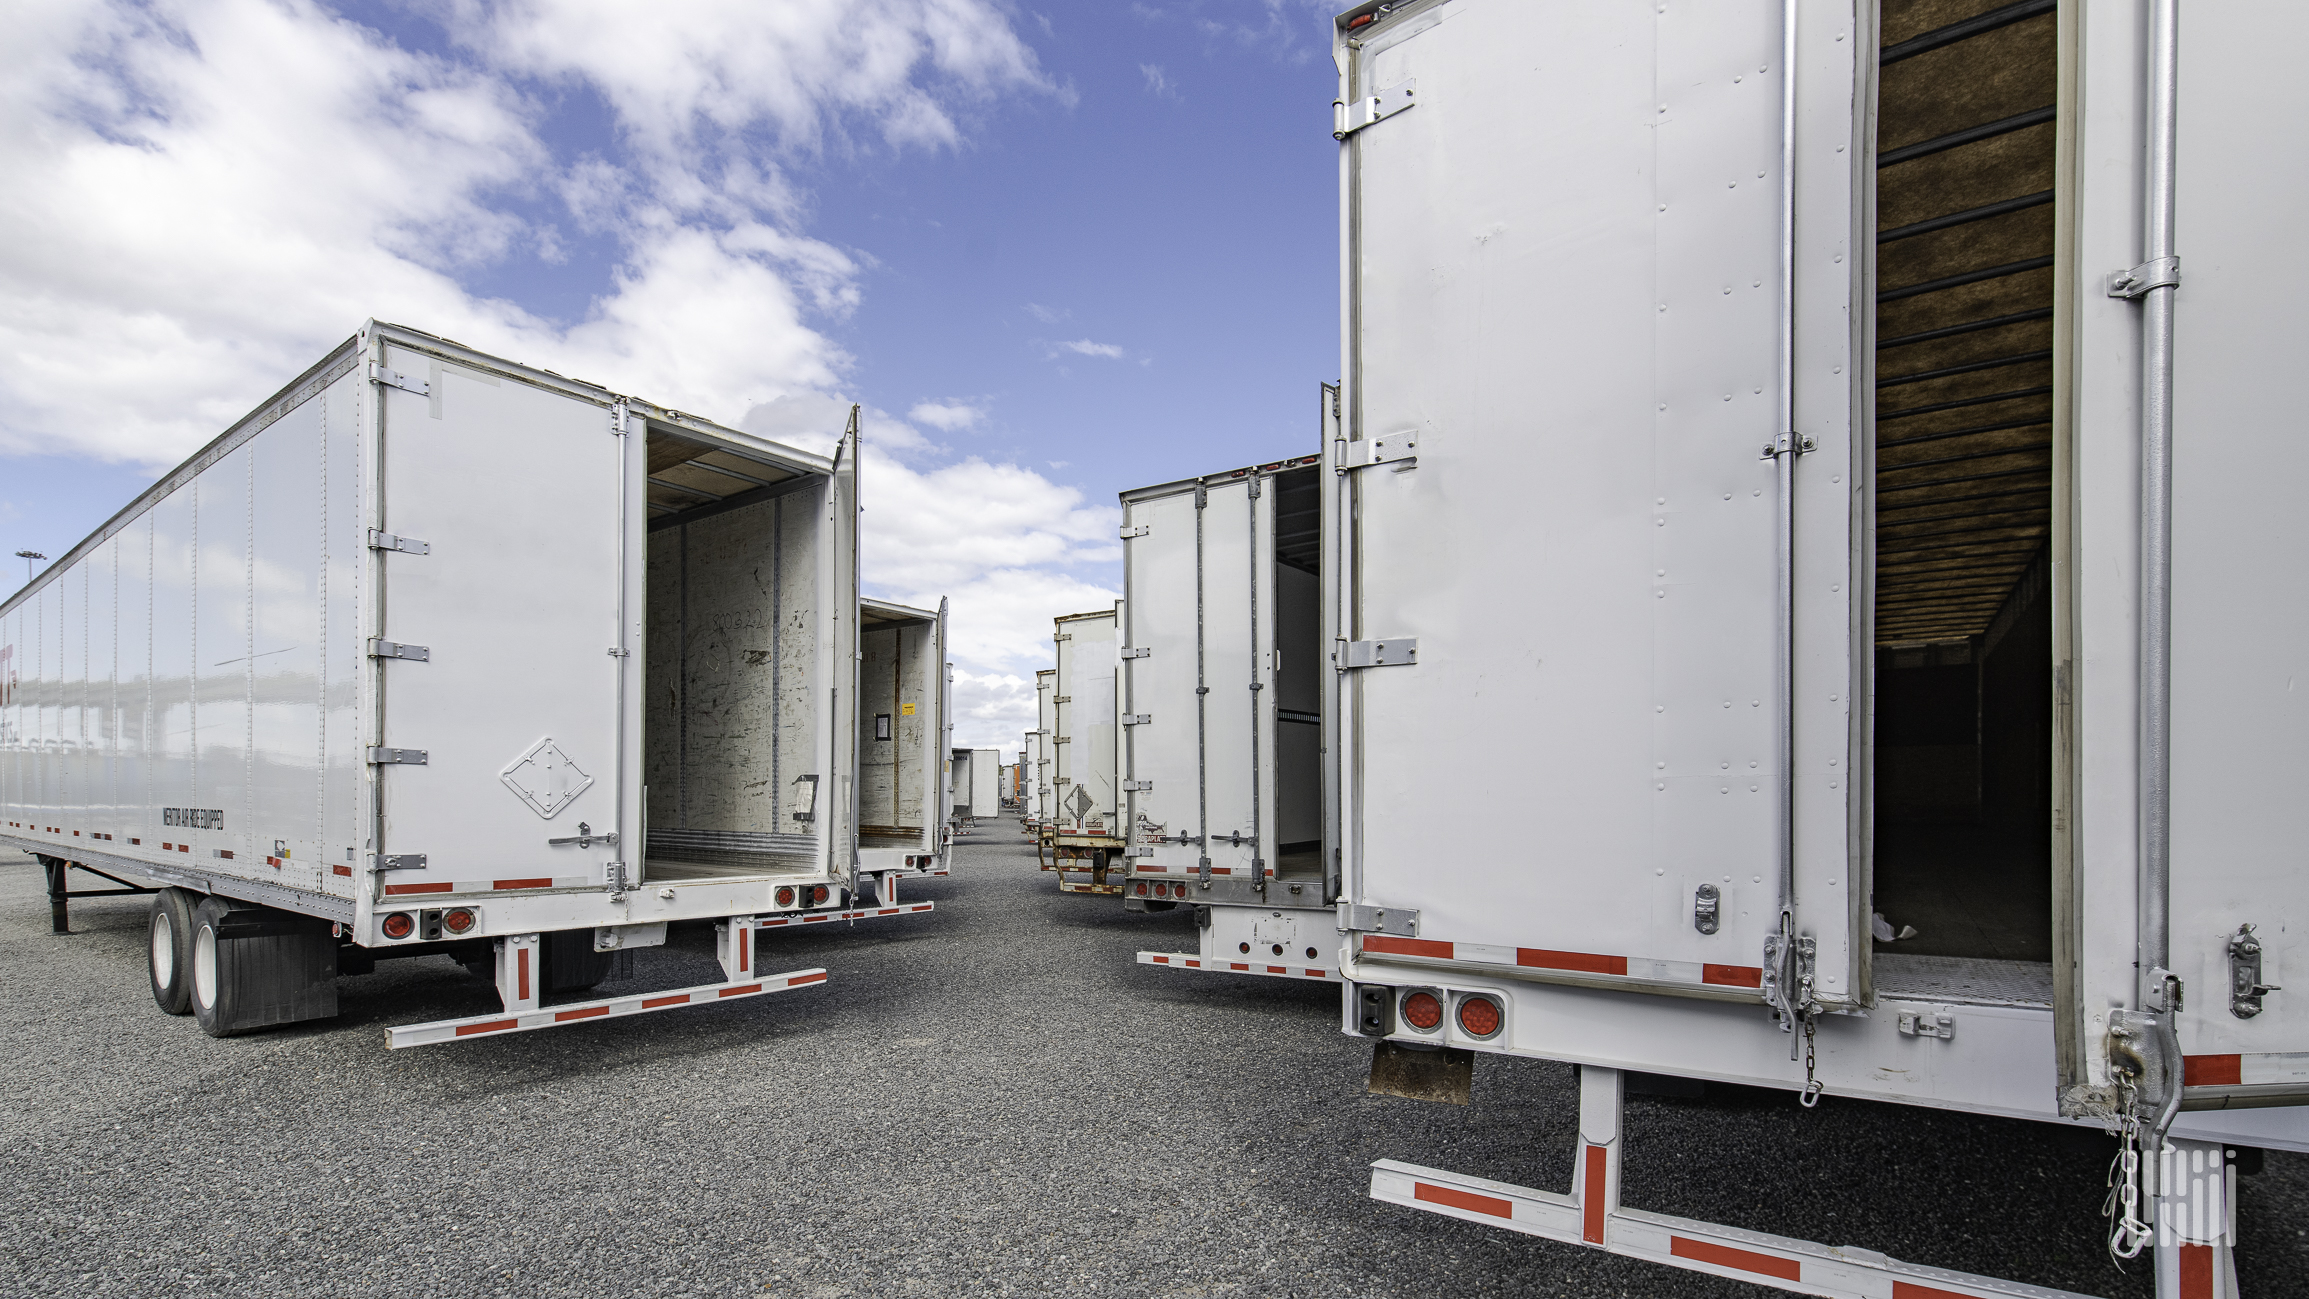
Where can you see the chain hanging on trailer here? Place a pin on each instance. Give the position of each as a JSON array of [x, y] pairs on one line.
[[1812, 1085], [2128, 1234]]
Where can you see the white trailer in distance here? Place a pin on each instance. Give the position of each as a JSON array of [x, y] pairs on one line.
[[1786, 467], [976, 782], [902, 710], [1224, 669], [386, 669], [1086, 825]]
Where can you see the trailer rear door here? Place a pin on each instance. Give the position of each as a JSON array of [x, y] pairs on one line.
[[1568, 676], [1190, 600], [506, 679]]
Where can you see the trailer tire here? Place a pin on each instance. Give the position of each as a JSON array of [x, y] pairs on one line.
[[169, 951], [204, 968]]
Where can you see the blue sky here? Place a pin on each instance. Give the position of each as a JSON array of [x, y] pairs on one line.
[[1057, 251]]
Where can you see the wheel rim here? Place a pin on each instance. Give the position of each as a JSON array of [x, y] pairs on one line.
[[204, 966], [163, 950]]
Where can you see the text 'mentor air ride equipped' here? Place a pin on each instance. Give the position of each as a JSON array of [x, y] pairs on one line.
[[1807, 460]]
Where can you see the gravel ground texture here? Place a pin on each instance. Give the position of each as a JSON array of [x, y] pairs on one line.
[[989, 1098]]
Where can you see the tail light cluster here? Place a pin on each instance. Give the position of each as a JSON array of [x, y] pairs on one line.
[[432, 925], [807, 895], [1479, 1015], [1159, 889]]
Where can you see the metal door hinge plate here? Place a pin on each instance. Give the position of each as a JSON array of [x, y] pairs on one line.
[[1395, 449], [379, 539], [2164, 272], [1142, 852], [383, 756], [1137, 719], [1062, 699], [1063, 636], [394, 379], [1348, 118], [1139, 531], [1402, 650], [1140, 653], [388, 649], [1706, 900], [1138, 786], [1402, 922], [1938, 1022], [2245, 986], [397, 861]]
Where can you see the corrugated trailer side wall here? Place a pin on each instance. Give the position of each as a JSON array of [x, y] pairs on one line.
[[190, 676]]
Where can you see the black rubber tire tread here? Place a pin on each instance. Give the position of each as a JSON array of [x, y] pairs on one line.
[[205, 916], [177, 906]]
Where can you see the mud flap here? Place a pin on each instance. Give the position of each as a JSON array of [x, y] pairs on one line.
[[1445, 1074]]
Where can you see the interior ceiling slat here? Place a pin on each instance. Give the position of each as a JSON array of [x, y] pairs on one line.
[[1964, 315]]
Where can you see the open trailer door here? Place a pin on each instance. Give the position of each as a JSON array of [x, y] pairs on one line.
[[1596, 603]]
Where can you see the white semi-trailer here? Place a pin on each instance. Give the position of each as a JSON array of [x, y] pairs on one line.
[[1086, 825], [1810, 460], [389, 668], [901, 745], [1222, 717]]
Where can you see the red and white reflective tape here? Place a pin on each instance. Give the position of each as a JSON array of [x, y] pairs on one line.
[[864, 913], [1843, 1272], [1224, 965], [2246, 1069], [1729, 977], [455, 1030], [463, 887]]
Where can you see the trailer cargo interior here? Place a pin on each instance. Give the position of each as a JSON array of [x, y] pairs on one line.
[[1966, 127], [901, 739]]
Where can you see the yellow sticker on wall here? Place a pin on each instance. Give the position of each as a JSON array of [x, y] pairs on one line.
[[906, 710]]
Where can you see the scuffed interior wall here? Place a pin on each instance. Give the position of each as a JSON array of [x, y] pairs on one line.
[[731, 716], [893, 675]]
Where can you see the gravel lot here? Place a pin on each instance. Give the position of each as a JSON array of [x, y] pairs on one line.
[[992, 1097]]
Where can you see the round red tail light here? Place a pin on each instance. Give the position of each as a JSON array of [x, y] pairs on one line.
[[1142, 888], [786, 897], [457, 921], [1246, 948], [819, 894], [1479, 1016], [399, 925], [1422, 1011]]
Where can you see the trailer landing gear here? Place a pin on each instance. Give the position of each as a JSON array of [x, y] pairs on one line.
[[2193, 1250], [59, 912]]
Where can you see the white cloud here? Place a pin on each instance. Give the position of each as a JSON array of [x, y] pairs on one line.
[[206, 195], [1047, 315], [947, 416], [1156, 83], [1085, 347]]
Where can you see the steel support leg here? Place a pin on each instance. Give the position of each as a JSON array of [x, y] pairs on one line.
[[2195, 1222], [59, 910], [1595, 1182]]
